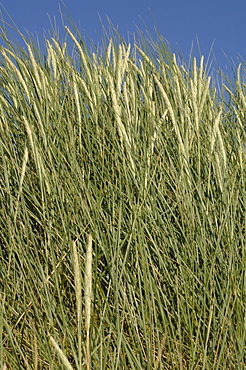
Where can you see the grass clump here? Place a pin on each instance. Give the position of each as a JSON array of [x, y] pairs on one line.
[[122, 180]]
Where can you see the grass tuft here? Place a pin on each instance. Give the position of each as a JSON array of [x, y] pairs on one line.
[[122, 208]]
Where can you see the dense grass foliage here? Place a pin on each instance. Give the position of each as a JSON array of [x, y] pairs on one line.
[[122, 228]]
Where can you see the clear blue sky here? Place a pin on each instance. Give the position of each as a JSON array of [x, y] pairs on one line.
[[179, 21]]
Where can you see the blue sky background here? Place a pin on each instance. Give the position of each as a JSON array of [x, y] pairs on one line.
[[181, 22]]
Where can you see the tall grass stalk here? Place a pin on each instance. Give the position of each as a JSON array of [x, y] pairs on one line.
[[78, 292], [136, 149], [61, 354], [88, 297]]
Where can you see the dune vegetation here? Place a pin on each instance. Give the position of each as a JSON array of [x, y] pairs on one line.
[[122, 200]]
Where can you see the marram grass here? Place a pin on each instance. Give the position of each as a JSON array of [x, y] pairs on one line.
[[129, 149]]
